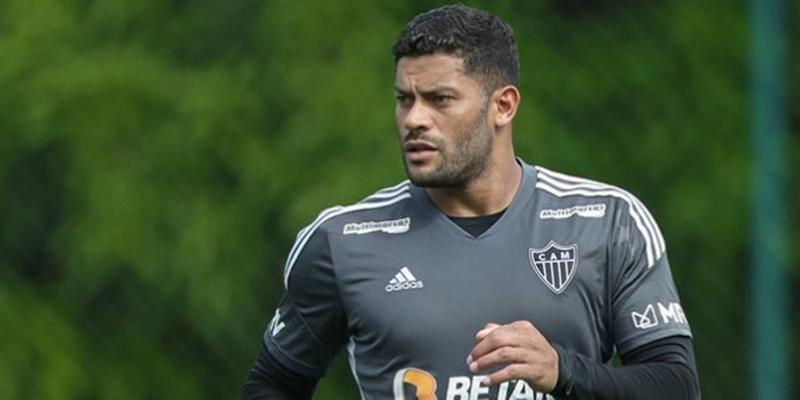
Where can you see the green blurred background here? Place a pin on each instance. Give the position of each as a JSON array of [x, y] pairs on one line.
[[158, 157]]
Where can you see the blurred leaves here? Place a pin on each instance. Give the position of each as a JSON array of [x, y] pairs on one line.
[[157, 158]]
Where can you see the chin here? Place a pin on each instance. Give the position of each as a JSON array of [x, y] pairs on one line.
[[433, 180], [419, 176], [430, 175]]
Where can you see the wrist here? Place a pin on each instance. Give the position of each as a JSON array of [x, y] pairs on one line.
[[565, 377]]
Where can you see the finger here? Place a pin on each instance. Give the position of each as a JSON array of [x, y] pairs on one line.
[[499, 337], [519, 334], [502, 356], [531, 375], [486, 330], [526, 326], [511, 371]]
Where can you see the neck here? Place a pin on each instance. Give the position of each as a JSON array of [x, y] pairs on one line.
[[489, 193]]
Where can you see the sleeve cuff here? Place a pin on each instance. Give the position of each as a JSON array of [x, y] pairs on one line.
[[565, 372]]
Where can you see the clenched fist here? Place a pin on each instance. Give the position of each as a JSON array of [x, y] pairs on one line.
[[522, 351]]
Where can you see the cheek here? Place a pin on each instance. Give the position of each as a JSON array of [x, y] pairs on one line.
[[399, 116], [456, 126]]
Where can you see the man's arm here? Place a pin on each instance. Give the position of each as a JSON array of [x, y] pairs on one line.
[[309, 327], [270, 380], [662, 370]]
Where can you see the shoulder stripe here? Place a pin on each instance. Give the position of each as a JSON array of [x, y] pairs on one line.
[[387, 193], [636, 208], [393, 188], [654, 241], [305, 234], [380, 194], [581, 192], [322, 214], [384, 193], [632, 201]]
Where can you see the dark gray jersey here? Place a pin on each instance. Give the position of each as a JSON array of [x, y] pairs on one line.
[[405, 289]]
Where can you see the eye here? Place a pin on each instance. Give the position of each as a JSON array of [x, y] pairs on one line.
[[402, 99], [441, 99]]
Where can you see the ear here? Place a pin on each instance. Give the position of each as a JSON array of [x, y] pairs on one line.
[[505, 101]]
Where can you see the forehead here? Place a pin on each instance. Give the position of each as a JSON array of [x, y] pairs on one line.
[[432, 70]]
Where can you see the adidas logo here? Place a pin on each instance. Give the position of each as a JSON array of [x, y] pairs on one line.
[[404, 280]]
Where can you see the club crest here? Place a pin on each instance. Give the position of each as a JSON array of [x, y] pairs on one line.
[[555, 264]]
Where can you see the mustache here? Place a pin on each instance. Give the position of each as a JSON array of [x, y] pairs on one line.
[[418, 134]]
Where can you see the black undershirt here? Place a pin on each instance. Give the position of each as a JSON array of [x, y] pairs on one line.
[[475, 226], [661, 370]]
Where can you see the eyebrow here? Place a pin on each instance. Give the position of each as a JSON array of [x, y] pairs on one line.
[[433, 90]]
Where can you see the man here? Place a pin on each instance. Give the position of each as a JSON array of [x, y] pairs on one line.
[[483, 277]]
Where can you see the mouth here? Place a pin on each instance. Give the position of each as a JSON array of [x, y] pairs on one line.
[[419, 150]]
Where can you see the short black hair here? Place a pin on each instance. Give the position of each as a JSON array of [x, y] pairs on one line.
[[484, 41]]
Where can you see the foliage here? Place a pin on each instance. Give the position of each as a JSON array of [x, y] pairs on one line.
[[157, 158]]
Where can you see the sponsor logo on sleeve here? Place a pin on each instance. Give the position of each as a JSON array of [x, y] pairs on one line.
[[393, 226], [671, 313], [645, 320], [585, 211], [276, 325]]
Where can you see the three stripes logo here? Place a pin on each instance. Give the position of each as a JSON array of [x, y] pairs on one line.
[[403, 280], [555, 264]]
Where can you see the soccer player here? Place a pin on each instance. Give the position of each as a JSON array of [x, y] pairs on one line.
[[482, 276]]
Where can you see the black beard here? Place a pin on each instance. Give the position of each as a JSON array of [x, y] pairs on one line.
[[466, 162]]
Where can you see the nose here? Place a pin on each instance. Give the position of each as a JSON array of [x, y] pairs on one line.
[[417, 118]]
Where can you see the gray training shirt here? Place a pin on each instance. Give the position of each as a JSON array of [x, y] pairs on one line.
[[405, 289]]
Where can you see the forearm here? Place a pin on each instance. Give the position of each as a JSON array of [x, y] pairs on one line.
[[270, 380], [663, 370]]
